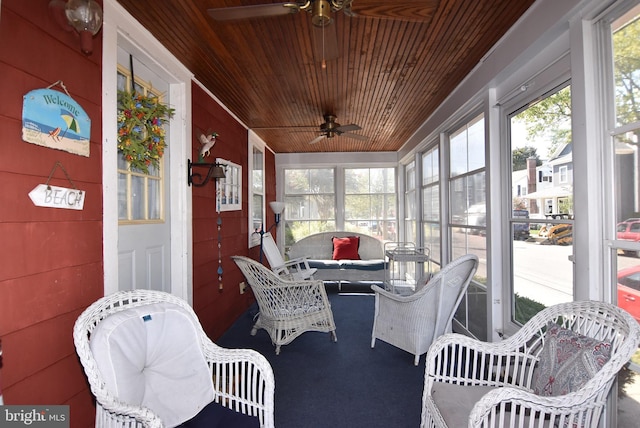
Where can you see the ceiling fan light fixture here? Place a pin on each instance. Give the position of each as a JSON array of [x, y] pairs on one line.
[[321, 13]]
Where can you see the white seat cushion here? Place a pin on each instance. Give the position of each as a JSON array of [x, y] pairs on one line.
[[151, 356]]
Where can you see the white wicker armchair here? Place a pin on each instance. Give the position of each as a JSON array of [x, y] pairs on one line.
[[287, 308], [479, 384], [413, 322], [113, 333]]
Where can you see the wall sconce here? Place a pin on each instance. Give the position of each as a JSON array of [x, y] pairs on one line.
[[85, 16], [215, 170], [277, 207]]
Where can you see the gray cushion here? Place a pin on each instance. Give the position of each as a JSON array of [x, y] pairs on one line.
[[456, 401]]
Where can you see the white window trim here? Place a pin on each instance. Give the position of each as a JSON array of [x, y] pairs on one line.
[[255, 143], [563, 174]]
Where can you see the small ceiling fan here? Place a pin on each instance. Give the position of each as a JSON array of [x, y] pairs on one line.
[[330, 128]]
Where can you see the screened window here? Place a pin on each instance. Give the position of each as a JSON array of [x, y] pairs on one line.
[[621, 34], [256, 189], [431, 202], [410, 203], [468, 218], [309, 196], [370, 201], [541, 221], [625, 142]]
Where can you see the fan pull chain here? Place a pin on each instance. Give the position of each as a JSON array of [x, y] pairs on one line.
[[324, 62]]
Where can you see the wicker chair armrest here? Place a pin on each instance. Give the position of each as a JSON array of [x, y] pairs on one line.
[[295, 285], [381, 292], [117, 410], [525, 402], [464, 341], [478, 363], [242, 379]]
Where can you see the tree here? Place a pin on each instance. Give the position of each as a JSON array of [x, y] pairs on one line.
[[626, 58], [550, 118], [520, 156]]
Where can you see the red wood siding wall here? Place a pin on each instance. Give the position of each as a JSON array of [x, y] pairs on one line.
[[217, 308], [51, 259]]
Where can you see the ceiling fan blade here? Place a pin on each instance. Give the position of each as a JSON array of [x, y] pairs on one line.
[[317, 139], [415, 11], [255, 11], [354, 136], [348, 128]]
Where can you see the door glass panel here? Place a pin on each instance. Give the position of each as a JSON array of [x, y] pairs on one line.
[[139, 195]]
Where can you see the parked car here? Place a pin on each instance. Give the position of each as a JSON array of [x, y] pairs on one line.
[[629, 230], [629, 290]]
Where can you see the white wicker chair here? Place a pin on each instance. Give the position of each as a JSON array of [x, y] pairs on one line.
[[413, 322], [479, 384], [287, 308], [295, 269], [240, 379]]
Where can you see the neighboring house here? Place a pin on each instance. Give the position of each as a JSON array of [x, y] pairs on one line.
[[519, 183], [553, 195]]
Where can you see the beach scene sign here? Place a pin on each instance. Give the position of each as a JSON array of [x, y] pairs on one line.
[[53, 119]]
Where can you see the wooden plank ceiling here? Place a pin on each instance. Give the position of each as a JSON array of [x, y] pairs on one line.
[[389, 64]]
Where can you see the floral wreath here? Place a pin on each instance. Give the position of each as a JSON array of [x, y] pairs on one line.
[[141, 137]]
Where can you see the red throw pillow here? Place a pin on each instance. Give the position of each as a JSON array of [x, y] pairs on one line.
[[346, 248]]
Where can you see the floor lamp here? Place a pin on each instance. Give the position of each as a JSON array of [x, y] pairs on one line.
[[277, 207]]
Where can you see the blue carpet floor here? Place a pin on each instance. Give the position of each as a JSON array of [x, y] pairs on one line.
[[346, 384]]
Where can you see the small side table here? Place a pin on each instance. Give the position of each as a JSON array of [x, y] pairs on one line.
[[407, 266]]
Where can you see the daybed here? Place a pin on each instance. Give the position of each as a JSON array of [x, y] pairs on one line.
[[319, 250]]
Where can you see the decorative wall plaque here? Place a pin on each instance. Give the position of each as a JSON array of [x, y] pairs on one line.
[[53, 119]]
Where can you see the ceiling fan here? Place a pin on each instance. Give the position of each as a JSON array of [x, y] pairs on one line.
[[330, 128], [320, 10], [410, 10]]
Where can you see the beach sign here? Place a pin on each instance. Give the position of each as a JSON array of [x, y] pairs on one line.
[[53, 119], [44, 195]]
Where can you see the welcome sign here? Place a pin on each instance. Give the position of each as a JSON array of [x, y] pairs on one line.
[[53, 119]]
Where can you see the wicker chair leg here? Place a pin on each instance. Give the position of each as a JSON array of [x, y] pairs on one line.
[[333, 336], [416, 360]]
